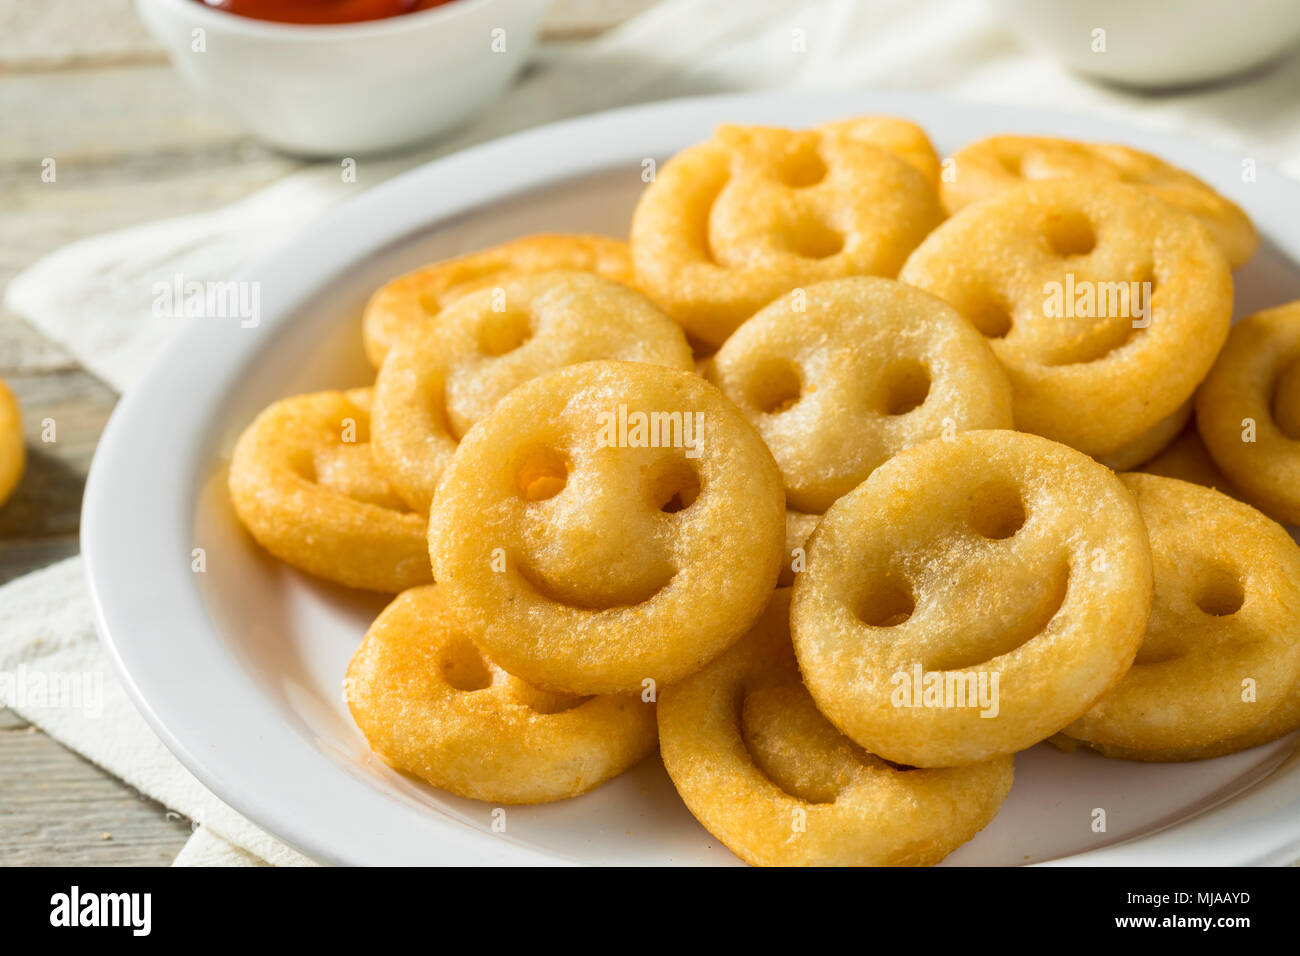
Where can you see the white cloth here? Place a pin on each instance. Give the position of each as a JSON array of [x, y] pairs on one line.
[[95, 296]]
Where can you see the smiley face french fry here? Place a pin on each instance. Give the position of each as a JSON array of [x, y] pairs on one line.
[[841, 376], [441, 377], [1000, 565], [305, 484], [770, 777], [432, 705], [1222, 647], [1105, 305], [608, 524], [1248, 411], [729, 225]]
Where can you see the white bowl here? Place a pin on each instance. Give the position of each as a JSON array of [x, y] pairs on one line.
[[239, 668], [348, 89], [1158, 43]]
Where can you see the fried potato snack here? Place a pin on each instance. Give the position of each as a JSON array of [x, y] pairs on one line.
[[1151, 442], [441, 377], [843, 375], [432, 705], [769, 776], [901, 137], [608, 524], [1281, 720], [1007, 572], [1248, 411], [13, 452], [989, 166], [798, 527], [1105, 305], [412, 298], [305, 484], [1187, 460], [1222, 647], [730, 224]]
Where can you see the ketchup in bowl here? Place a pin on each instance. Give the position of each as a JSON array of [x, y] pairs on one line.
[[321, 11]]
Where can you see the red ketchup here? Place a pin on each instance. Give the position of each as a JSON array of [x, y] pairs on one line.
[[321, 11]]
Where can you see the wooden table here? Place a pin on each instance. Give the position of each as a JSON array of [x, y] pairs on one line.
[[81, 82]]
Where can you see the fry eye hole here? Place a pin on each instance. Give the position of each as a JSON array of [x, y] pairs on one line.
[[996, 511], [886, 602], [813, 239], [775, 386], [504, 332], [543, 474], [802, 169], [1070, 235], [905, 386], [991, 316], [1220, 594], [674, 488], [463, 667]]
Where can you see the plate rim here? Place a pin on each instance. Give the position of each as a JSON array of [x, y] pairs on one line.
[[1243, 829]]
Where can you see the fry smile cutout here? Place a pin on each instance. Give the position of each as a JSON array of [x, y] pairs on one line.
[[585, 565], [1099, 377], [770, 777], [441, 377], [990, 552], [432, 705], [305, 484]]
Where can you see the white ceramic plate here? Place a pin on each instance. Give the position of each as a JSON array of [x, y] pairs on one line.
[[240, 669]]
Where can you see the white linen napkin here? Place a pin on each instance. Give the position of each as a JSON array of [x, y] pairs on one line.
[[95, 296]]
